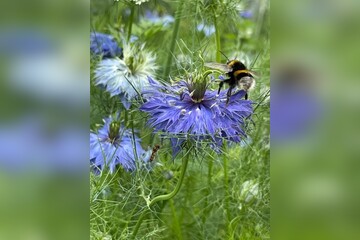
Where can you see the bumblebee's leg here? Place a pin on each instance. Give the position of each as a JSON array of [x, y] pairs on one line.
[[246, 96], [222, 83], [228, 95], [220, 86]]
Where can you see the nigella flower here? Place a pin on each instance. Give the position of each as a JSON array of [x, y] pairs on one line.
[[104, 44], [126, 77], [112, 145], [190, 109]]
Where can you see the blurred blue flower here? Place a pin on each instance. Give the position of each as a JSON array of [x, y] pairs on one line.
[[126, 77], [247, 14], [293, 113], [208, 30], [26, 41], [154, 17], [190, 109], [104, 44], [113, 145], [296, 108], [43, 149]]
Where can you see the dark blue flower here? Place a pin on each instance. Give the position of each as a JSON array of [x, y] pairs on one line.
[[191, 110], [113, 145], [104, 44]]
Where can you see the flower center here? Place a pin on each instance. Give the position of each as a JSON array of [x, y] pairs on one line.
[[197, 90], [114, 129], [130, 63]]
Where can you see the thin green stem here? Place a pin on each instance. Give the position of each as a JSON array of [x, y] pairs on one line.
[[208, 189], [210, 166], [208, 72], [126, 118], [173, 40], [165, 196], [132, 13], [226, 187], [226, 182], [178, 185], [138, 224], [217, 39], [176, 220], [137, 160]]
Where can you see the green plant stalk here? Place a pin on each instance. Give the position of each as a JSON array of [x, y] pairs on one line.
[[132, 13], [177, 187], [126, 118], [226, 186], [176, 220], [206, 204], [165, 196], [173, 40], [137, 160], [217, 40], [138, 224]]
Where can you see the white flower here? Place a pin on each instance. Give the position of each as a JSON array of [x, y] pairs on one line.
[[126, 77], [249, 191], [140, 1]]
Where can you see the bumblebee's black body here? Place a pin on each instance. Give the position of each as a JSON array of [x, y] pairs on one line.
[[235, 71]]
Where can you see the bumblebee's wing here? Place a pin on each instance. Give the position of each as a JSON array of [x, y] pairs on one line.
[[218, 66], [255, 74]]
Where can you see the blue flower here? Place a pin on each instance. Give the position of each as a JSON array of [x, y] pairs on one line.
[[191, 110], [246, 14], [104, 44], [156, 18], [113, 145], [294, 112], [207, 29]]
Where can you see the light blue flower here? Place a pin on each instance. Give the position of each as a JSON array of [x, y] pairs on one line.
[[155, 17], [207, 29], [126, 77]]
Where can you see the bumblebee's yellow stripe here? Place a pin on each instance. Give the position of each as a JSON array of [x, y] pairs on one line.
[[242, 71]]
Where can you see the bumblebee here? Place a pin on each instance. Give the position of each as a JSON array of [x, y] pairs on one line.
[[238, 75]]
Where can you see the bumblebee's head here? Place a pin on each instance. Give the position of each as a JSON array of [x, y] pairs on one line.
[[236, 65]]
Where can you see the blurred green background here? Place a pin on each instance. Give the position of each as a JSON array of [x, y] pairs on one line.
[[315, 175]]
